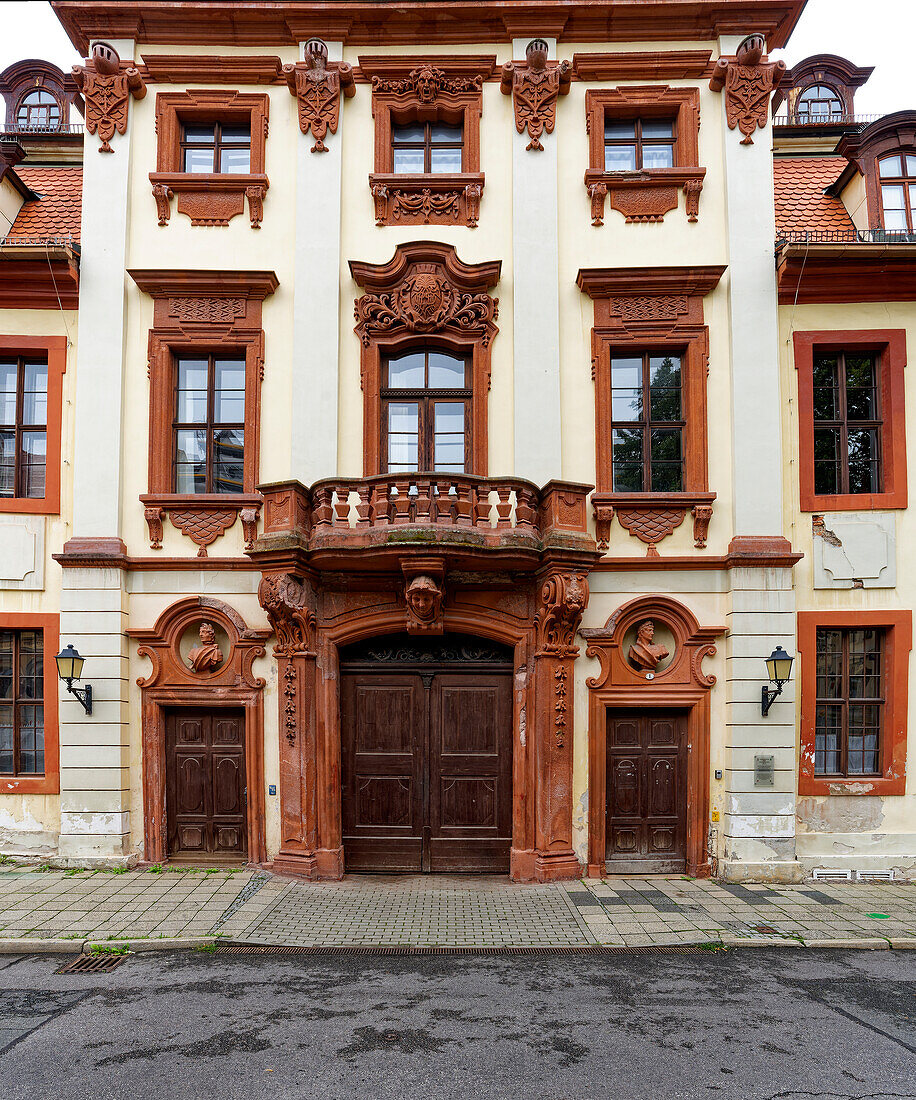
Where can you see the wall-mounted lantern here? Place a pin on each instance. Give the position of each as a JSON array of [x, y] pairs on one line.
[[779, 669], [70, 668]]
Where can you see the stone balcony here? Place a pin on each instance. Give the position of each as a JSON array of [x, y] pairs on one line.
[[376, 518]]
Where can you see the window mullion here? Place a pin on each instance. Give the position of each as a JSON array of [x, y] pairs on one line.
[[20, 406], [844, 423], [647, 424]]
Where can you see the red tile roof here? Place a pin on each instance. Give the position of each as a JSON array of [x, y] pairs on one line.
[[800, 200], [56, 212]]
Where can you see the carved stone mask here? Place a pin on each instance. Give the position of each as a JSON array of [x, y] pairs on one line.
[[424, 597], [427, 84]]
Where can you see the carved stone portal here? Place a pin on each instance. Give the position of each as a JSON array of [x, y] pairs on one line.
[[643, 654], [107, 89], [534, 88], [748, 82], [317, 87]]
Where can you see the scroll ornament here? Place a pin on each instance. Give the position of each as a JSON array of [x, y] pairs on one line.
[[283, 597], [748, 83], [425, 302], [564, 597]]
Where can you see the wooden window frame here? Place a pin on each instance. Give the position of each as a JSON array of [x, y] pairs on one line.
[[891, 134], [200, 313], [49, 783], [53, 349], [427, 198], [51, 127], [218, 146], [845, 700], [638, 142], [658, 310], [210, 425], [209, 198], [426, 397], [647, 194], [889, 347], [898, 632], [801, 119], [842, 423], [905, 181]]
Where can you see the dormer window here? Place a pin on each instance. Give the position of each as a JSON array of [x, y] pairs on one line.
[[39, 110], [819, 103], [897, 176]]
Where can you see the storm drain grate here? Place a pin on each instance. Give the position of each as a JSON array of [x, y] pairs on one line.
[[91, 964], [359, 949]]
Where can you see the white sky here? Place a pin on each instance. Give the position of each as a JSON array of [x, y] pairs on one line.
[[880, 33]]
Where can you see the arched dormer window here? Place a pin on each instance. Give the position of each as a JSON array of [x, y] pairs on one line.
[[819, 103], [38, 110], [897, 179]]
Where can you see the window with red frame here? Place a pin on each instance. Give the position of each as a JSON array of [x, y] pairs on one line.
[[647, 423], [633, 144], [897, 175], [216, 147], [847, 423], [22, 720], [23, 426], [209, 425], [426, 148], [849, 713]]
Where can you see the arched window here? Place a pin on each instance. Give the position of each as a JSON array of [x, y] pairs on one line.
[[897, 175], [818, 103], [426, 412], [39, 110]]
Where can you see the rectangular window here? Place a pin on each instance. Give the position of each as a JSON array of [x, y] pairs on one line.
[[23, 427], [426, 407], [426, 147], [634, 144], [847, 423], [221, 147], [209, 424], [22, 718], [849, 712], [647, 423]]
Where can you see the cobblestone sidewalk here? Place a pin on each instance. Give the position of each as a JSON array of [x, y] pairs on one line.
[[66, 907]]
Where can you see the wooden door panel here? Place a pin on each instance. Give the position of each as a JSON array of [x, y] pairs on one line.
[[205, 783], [646, 792], [468, 802], [470, 715], [385, 717], [383, 800]]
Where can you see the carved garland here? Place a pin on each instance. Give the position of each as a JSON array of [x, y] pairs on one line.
[[107, 84]]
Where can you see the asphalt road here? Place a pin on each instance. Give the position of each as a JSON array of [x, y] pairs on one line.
[[787, 1024]]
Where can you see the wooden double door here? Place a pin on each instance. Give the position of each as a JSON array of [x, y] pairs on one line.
[[205, 785], [426, 769], [646, 828]]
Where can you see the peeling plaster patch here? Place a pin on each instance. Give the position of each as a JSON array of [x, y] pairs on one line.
[[25, 834], [820, 530], [841, 814], [856, 551], [521, 726], [28, 824]]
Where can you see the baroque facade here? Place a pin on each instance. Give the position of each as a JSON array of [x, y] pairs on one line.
[[425, 429]]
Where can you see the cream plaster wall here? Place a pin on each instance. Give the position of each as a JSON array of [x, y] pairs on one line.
[[855, 201], [10, 204], [864, 831], [32, 822]]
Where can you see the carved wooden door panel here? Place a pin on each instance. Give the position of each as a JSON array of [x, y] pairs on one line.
[[426, 771], [383, 723], [470, 772], [646, 792], [205, 784]]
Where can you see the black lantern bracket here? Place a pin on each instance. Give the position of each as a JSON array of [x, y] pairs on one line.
[[779, 669], [83, 694]]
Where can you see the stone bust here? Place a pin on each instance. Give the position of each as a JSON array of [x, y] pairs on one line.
[[207, 656], [643, 654], [424, 598]]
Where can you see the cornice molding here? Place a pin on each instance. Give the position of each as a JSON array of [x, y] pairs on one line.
[[362, 22], [211, 69], [170, 282], [643, 65], [628, 282], [471, 277], [388, 67], [846, 273]]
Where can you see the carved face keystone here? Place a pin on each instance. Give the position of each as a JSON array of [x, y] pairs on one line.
[[427, 85]]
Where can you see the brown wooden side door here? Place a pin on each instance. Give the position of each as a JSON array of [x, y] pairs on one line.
[[205, 784], [646, 792], [426, 771], [470, 772]]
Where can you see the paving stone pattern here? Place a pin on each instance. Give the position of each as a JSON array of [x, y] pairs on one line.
[[461, 911]]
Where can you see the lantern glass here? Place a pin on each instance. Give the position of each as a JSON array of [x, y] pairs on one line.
[[779, 665], [69, 664]]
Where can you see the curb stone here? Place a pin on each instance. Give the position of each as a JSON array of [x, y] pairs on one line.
[[873, 944], [84, 946], [27, 946]]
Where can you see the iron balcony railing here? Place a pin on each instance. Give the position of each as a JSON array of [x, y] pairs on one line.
[[60, 241], [859, 121], [845, 236], [13, 129]]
